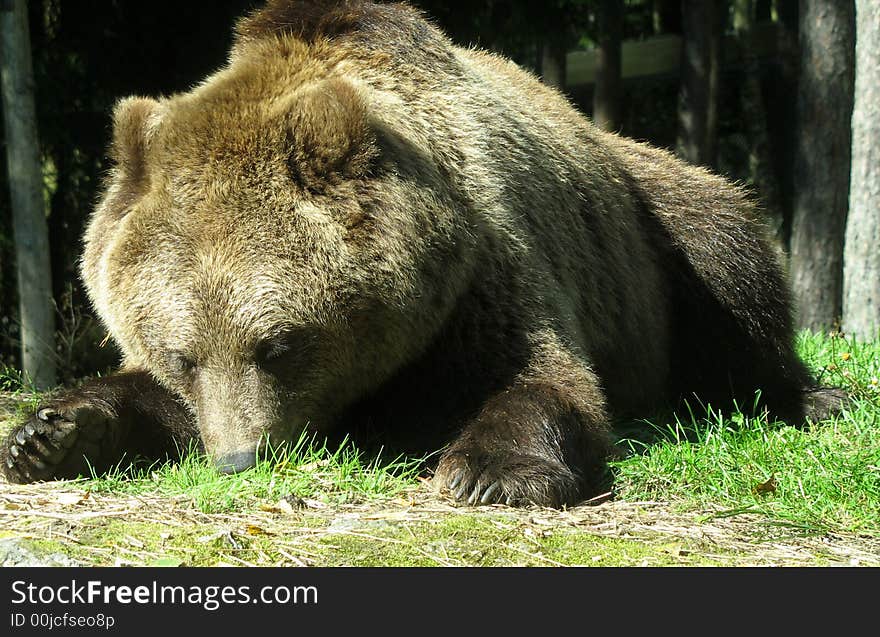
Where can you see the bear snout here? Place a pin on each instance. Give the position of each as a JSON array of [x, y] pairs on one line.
[[236, 461]]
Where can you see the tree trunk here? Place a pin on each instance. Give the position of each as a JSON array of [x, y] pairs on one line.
[[785, 12], [861, 254], [553, 64], [665, 16], [822, 159], [697, 108], [36, 310], [606, 97], [761, 172]]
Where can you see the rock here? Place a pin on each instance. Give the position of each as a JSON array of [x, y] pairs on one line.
[[15, 551]]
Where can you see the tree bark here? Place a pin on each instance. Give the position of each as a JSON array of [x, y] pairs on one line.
[[698, 97], [30, 232], [861, 253], [822, 159], [606, 96], [665, 16], [553, 64], [761, 172]]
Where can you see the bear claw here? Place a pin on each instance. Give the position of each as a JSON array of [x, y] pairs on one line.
[[490, 492], [33, 451], [55, 444], [482, 478]]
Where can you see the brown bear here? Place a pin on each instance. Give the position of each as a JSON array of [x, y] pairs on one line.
[[355, 221]]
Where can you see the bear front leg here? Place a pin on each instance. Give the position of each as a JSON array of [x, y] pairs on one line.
[[544, 440], [123, 415]]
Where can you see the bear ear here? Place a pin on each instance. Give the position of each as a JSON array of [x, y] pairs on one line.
[[134, 120], [306, 20], [331, 138]]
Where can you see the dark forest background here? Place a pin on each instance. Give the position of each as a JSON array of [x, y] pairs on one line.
[[722, 82]]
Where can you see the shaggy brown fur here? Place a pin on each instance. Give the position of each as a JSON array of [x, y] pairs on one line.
[[356, 222]]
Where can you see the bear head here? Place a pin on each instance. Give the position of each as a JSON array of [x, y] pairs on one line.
[[275, 243]]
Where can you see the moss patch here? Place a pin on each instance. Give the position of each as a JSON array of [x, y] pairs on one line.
[[486, 540]]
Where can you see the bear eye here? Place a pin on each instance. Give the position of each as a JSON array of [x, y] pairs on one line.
[[179, 363], [271, 349], [289, 352]]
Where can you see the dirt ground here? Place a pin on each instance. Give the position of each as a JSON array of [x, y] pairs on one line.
[[63, 523]]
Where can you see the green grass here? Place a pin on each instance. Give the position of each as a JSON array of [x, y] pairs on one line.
[[823, 478], [18, 386], [307, 470]]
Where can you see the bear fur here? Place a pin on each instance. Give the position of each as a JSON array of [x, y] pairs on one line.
[[356, 223]]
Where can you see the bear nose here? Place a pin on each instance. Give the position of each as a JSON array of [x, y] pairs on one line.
[[235, 462]]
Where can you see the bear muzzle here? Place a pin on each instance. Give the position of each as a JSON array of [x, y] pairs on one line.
[[236, 461]]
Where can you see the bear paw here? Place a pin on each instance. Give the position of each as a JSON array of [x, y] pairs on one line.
[[822, 403], [514, 479], [59, 441]]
